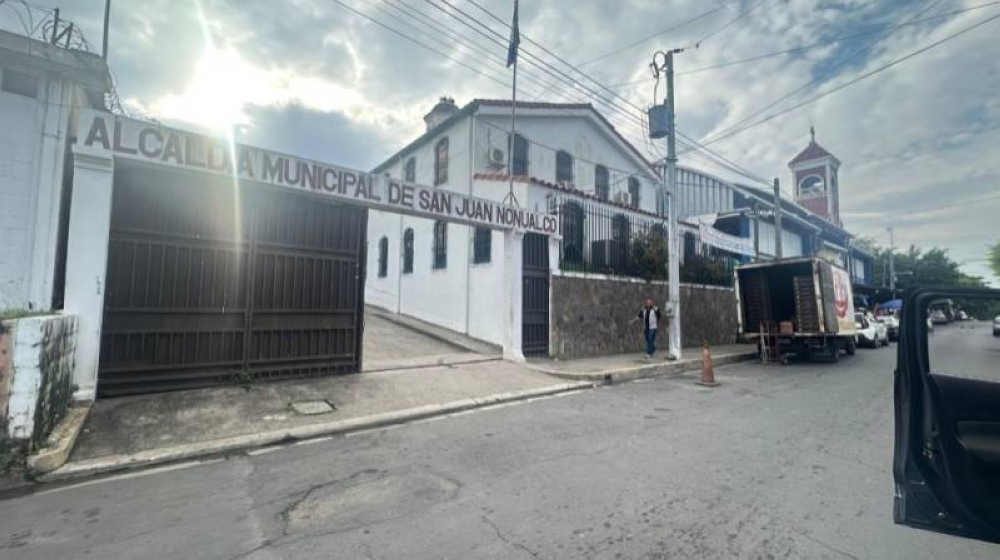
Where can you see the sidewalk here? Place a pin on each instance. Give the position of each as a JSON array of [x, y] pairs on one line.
[[627, 367], [146, 430]]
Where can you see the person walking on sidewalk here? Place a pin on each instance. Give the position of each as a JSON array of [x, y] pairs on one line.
[[650, 317]]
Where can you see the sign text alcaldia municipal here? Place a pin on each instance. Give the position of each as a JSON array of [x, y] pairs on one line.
[[171, 147]]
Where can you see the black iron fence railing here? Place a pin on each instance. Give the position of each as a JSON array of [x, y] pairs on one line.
[[604, 239]]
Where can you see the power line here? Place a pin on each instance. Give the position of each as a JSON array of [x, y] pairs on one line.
[[729, 23], [852, 82], [654, 35], [535, 60], [810, 46], [817, 79], [422, 44], [826, 42], [602, 86]]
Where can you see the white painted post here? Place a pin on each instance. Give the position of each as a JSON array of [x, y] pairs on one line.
[[87, 259], [513, 243]]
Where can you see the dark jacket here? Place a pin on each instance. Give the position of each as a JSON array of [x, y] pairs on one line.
[[644, 317]]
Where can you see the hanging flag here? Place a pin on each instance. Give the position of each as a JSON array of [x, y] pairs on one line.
[[515, 40]]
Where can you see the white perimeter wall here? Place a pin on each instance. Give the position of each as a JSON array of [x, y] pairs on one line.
[[32, 150]]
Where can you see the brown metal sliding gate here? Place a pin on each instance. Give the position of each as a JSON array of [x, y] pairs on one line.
[[208, 284]]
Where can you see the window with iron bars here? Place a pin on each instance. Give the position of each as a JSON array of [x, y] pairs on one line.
[[383, 257], [519, 156], [482, 241], [440, 244], [408, 251], [441, 161], [602, 182], [410, 171], [634, 191], [564, 167]]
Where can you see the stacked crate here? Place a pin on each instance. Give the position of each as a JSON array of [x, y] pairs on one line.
[[806, 309]]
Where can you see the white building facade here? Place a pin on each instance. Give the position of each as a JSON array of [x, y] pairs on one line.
[[453, 275]]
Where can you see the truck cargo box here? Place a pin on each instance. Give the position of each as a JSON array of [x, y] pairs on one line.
[[812, 295]]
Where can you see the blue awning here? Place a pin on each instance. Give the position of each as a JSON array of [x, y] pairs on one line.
[[891, 305]]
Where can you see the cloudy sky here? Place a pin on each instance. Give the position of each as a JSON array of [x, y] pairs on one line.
[[313, 78]]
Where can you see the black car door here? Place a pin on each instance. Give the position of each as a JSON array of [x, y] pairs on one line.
[[947, 445]]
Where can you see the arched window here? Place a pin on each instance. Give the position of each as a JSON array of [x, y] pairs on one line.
[[811, 185], [408, 251], [383, 257], [634, 192], [482, 245], [440, 244], [519, 156], [601, 182], [572, 232], [410, 171], [441, 161], [564, 167]]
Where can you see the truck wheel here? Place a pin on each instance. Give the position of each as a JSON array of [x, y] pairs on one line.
[[852, 347], [834, 351]]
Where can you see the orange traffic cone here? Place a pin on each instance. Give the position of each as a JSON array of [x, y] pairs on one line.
[[707, 371]]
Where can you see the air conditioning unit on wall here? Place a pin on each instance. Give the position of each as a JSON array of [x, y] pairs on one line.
[[497, 158], [622, 197]]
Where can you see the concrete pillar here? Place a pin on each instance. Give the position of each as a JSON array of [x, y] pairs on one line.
[[513, 279], [87, 259], [554, 244]]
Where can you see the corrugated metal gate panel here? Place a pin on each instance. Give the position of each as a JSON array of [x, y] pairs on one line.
[[535, 296], [176, 313]]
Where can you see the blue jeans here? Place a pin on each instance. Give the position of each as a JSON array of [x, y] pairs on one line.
[[651, 341]]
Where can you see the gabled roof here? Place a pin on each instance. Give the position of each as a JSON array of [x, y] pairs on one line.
[[812, 151], [474, 106]]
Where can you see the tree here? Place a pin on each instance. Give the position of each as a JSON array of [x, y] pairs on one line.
[[993, 258]]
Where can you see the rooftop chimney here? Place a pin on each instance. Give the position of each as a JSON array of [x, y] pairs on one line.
[[445, 108]]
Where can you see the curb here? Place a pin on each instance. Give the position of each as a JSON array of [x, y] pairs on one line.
[[143, 459], [64, 437], [623, 375]]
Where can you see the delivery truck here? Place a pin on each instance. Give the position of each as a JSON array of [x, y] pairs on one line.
[[798, 306]]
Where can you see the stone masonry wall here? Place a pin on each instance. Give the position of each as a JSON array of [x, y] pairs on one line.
[[593, 316]]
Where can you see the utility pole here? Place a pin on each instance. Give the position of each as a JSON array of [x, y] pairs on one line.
[[107, 20], [756, 231], [777, 219], [661, 125], [674, 273], [892, 262]]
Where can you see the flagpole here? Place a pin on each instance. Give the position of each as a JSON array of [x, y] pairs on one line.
[[515, 41], [510, 148]]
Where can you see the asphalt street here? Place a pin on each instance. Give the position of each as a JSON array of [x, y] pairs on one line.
[[778, 462], [967, 349]]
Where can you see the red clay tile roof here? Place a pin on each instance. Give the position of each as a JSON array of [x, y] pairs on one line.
[[812, 151], [558, 187]]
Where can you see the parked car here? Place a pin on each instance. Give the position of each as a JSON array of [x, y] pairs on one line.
[[996, 326], [870, 332], [963, 316], [891, 323], [938, 317]]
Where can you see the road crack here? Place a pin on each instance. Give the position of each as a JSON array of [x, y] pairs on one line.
[[507, 541]]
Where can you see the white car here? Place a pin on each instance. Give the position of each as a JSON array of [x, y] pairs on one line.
[[891, 323], [870, 332], [996, 326]]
